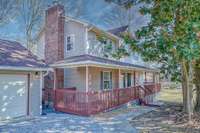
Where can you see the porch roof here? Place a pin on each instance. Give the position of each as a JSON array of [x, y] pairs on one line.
[[89, 60]]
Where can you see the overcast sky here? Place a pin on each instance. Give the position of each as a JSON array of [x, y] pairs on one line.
[[93, 11]]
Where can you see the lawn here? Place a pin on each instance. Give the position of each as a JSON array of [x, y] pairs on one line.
[[168, 118], [170, 95]]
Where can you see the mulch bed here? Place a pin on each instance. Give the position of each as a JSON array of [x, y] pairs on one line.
[[168, 118]]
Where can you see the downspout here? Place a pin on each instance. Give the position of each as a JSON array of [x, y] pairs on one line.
[[28, 95], [42, 76]]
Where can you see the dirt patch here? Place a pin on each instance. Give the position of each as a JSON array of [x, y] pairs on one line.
[[168, 118]]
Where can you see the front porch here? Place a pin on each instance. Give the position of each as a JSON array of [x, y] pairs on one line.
[[95, 85], [101, 78]]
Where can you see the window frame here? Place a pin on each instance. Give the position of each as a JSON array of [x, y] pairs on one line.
[[109, 80], [126, 79], [71, 42]]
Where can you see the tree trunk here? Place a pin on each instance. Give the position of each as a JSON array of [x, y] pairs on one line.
[[190, 90], [187, 84], [184, 88], [184, 91], [197, 85]]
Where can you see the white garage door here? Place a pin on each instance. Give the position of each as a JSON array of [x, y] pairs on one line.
[[13, 96]]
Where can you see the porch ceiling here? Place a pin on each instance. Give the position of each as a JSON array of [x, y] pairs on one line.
[[88, 60]]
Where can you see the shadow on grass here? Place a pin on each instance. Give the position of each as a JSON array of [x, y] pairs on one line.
[[164, 119]]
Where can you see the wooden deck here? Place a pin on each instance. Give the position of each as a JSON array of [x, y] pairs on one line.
[[93, 102]]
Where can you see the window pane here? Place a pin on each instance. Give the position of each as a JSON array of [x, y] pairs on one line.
[[106, 85], [69, 42], [124, 80], [106, 80], [128, 79], [69, 46], [68, 39], [106, 76]]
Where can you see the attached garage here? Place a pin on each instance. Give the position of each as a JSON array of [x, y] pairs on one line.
[[13, 95], [21, 81]]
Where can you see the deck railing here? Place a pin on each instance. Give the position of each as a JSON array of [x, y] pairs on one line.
[[88, 103]]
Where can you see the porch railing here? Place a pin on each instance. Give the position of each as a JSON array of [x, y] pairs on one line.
[[88, 103]]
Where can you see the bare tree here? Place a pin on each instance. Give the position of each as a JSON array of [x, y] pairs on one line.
[[125, 13], [118, 16], [31, 16], [8, 10], [122, 11], [75, 8], [123, 3]]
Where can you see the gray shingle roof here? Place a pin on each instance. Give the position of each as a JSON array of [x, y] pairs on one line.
[[118, 31], [13, 54], [86, 57]]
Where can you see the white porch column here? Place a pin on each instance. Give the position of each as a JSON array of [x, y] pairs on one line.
[[86, 40], [87, 79], [119, 82], [54, 79], [41, 87]]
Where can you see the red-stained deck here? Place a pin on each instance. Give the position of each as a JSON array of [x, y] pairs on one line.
[[93, 102]]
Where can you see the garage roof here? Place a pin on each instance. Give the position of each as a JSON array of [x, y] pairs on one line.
[[14, 55]]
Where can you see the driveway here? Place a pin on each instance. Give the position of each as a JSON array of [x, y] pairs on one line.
[[116, 121]]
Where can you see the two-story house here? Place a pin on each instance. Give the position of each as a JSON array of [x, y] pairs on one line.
[[85, 53], [81, 55]]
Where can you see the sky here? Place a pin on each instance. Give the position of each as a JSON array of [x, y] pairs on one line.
[[96, 12]]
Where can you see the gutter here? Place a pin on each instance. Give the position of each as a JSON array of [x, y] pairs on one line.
[[97, 64], [24, 68]]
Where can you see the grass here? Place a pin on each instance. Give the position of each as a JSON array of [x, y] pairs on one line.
[[168, 118], [170, 95]]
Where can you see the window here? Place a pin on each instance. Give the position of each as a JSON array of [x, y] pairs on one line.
[[106, 80], [126, 80], [69, 42]]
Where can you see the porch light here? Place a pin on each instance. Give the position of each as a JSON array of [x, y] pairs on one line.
[[37, 75]]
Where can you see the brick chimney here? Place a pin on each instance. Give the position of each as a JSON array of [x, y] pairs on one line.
[[54, 34], [54, 39]]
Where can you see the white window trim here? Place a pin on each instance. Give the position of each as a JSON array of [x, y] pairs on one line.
[[72, 36], [107, 80]]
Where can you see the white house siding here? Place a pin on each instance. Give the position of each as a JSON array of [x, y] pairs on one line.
[[35, 90], [139, 75], [149, 76], [79, 32], [91, 35], [95, 77], [75, 77]]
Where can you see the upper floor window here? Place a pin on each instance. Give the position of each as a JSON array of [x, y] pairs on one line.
[[70, 42]]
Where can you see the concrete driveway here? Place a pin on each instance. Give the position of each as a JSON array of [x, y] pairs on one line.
[[116, 121]]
